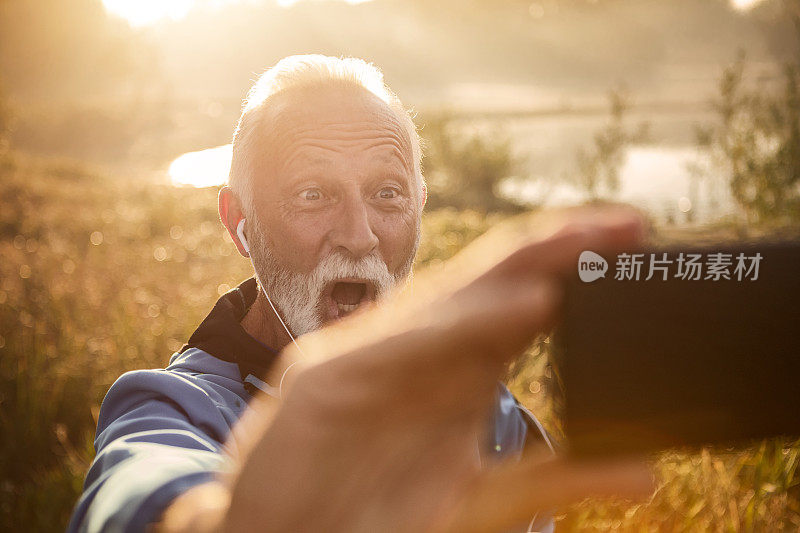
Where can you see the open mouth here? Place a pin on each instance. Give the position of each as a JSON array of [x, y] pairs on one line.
[[345, 296]]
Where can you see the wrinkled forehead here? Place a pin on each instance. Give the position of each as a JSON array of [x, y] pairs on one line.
[[335, 118]]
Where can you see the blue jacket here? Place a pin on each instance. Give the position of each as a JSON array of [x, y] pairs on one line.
[[160, 432]]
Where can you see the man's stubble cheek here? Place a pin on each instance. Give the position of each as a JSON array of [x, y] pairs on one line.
[[298, 243], [408, 245]]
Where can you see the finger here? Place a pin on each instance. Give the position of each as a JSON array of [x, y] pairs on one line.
[[458, 352], [512, 494], [506, 307], [600, 231], [499, 320]]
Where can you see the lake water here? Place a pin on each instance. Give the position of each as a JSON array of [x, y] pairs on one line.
[[654, 176]]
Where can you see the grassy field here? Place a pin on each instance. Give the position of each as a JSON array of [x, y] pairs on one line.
[[102, 275]]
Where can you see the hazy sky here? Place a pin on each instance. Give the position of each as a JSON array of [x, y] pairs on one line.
[[141, 13], [489, 54]]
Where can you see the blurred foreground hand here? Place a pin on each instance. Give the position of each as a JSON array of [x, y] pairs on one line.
[[378, 430]]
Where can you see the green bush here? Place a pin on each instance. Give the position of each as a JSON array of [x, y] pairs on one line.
[[755, 144], [465, 170]]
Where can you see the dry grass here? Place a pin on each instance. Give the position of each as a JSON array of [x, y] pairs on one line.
[[99, 276]]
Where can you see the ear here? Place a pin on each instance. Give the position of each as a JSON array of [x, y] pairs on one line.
[[424, 192], [230, 213]]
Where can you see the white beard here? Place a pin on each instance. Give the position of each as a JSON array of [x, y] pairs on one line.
[[298, 296]]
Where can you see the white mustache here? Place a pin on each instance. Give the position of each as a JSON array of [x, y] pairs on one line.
[[299, 295], [337, 266]]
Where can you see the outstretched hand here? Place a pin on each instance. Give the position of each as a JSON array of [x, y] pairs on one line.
[[379, 431]]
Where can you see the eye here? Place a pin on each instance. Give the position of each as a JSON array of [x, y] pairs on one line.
[[388, 193], [311, 195]]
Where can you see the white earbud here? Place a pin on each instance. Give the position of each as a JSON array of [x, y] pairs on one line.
[[243, 240], [240, 233]]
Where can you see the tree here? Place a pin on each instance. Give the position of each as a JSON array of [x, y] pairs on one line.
[[755, 143], [465, 171], [600, 164]]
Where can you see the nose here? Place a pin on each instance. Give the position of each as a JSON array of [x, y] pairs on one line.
[[353, 231]]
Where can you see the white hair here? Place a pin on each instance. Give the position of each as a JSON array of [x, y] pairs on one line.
[[299, 72]]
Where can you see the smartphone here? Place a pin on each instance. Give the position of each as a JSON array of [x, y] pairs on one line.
[[680, 347]]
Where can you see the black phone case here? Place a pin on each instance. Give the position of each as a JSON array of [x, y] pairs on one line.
[[653, 364]]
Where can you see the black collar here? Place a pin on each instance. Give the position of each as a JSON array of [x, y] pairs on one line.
[[221, 333]]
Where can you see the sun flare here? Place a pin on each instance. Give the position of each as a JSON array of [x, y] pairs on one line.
[[146, 12], [141, 13], [744, 5]]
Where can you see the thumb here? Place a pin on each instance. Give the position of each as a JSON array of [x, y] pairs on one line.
[[512, 493]]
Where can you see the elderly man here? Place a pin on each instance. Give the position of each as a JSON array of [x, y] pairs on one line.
[[379, 422]]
